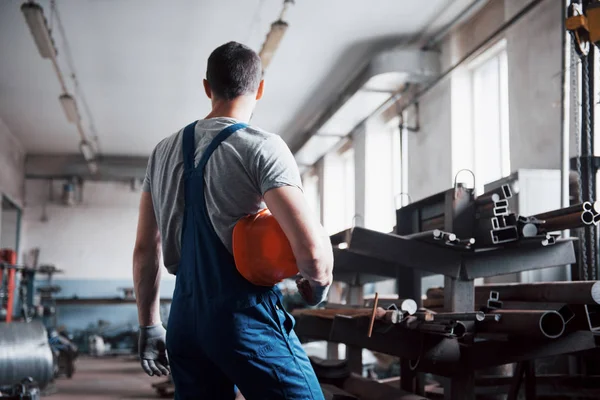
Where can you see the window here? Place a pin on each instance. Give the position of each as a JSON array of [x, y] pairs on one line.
[[382, 175], [489, 80], [338, 189], [480, 132], [310, 182]]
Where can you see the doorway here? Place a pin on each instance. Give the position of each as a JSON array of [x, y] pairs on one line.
[[10, 225]]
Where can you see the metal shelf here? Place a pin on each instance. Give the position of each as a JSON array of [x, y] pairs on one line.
[[455, 262]]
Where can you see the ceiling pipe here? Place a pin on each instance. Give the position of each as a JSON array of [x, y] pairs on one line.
[[388, 103], [359, 79], [38, 25]]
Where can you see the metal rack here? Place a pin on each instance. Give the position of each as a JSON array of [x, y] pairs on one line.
[[371, 255]]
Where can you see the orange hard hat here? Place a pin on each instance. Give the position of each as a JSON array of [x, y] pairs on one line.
[[262, 253]]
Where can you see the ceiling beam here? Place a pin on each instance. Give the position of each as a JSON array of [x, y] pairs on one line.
[[66, 166]]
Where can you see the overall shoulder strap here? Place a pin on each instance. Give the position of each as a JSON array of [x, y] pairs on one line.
[[188, 147], [221, 136]]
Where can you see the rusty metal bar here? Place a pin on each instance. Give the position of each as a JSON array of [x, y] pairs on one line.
[[466, 316], [531, 323], [561, 212], [581, 292]]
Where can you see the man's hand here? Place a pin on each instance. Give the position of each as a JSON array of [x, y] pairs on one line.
[[310, 243], [312, 294], [153, 351]]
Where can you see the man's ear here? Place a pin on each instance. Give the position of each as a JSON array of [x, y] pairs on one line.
[[207, 89], [261, 89]]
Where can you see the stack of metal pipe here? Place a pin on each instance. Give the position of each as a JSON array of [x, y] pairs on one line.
[[576, 216], [542, 310]]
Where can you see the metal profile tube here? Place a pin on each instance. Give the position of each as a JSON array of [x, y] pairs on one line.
[[504, 235], [500, 211], [529, 323]]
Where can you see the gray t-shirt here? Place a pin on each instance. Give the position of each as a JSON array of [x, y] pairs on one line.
[[239, 172]]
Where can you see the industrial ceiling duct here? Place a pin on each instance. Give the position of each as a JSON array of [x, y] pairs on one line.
[[386, 74]]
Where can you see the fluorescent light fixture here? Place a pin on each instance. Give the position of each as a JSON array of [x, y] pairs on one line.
[[70, 107], [34, 15], [93, 167], [272, 42], [86, 150], [315, 148], [356, 109]]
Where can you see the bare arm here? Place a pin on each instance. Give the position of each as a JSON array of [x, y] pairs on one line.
[[310, 243], [146, 269]]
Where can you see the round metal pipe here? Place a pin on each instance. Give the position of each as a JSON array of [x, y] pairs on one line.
[[527, 323], [529, 230], [25, 352], [587, 217], [577, 208], [408, 305], [568, 221]]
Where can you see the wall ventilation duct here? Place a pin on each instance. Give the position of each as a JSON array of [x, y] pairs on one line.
[[386, 74]]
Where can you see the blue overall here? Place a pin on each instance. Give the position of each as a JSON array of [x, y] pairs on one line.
[[223, 330]]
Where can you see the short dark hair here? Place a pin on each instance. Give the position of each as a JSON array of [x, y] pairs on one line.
[[233, 70]]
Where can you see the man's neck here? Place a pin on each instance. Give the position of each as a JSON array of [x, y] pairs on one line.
[[236, 109]]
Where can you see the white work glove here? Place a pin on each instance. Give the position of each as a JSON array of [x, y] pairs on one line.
[[312, 294], [153, 351]]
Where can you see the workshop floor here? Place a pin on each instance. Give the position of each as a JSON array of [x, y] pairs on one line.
[[105, 379]]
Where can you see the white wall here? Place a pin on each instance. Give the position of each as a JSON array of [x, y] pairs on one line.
[[92, 240], [429, 149], [12, 166], [534, 47]]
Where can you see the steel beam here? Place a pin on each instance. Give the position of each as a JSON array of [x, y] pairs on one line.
[[405, 252], [517, 259], [582, 292], [456, 264], [110, 167]]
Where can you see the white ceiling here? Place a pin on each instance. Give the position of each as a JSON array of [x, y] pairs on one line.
[[141, 63]]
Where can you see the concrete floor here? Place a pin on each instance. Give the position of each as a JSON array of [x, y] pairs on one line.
[[106, 379]]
